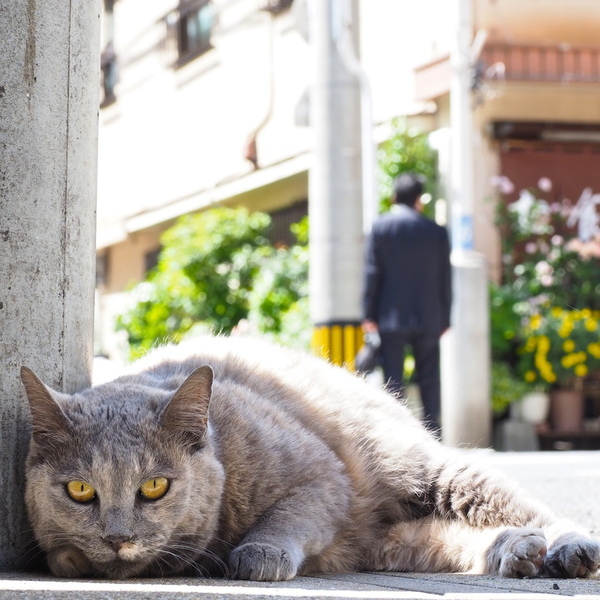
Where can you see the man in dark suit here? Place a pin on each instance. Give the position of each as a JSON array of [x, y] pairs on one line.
[[407, 292]]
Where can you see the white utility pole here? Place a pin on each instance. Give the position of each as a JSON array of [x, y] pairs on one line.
[[466, 414], [335, 190], [49, 65]]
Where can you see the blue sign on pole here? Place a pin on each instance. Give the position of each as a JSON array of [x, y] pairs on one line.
[[462, 234]]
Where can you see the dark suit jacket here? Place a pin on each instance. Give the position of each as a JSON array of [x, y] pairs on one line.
[[407, 286]]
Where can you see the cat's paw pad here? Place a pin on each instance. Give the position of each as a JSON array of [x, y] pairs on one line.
[[573, 555], [69, 563], [522, 552], [262, 562]]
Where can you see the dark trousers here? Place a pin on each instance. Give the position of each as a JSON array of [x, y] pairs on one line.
[[426, 350]]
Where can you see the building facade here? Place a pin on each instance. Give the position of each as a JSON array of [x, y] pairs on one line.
[[206, 103]]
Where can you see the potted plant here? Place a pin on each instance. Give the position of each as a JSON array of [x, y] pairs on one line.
[[506, 390], [551, 286], [560, 348]]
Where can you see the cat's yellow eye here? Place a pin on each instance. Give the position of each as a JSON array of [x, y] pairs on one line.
[[154, 488], [81, 491]]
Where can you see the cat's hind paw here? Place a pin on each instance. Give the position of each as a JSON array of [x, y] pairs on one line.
[[262, 562], [573, 555], [519, 553]]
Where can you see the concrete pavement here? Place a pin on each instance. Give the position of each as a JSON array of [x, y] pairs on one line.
[[569, 482]]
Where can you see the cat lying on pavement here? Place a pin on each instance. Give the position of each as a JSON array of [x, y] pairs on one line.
[[239, 458]]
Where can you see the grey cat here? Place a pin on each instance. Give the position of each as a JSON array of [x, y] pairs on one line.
[[240, 458]]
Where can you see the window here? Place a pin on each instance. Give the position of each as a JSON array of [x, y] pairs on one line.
[[193, 27], [279, 233], [108, 59], [151, 259], [102, 269], [108, 68], [275, 6]]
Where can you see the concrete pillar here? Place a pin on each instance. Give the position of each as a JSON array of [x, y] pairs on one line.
[[466, 411], [49, 74], [335, 185]]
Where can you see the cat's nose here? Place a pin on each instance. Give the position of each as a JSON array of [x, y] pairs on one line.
[[116, 542]]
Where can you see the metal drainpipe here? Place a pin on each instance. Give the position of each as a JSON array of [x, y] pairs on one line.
[[251, 147]]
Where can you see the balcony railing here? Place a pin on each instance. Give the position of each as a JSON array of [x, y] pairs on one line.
[[561, 63]]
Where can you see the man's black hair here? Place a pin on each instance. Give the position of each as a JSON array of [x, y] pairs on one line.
[[407, 189]]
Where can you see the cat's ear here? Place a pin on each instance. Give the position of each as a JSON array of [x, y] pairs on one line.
[[186, 415], [50, 425]]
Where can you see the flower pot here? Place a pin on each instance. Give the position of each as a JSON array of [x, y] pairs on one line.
[[535, 407], [566, 410]]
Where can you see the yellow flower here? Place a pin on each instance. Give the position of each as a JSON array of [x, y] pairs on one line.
[[591, 324], [569, 345], [542, 364], [566, 328], [530, 344], [581, 370], [544, 344], [535, 322], [594, 349], [572, 359], [556, 311], [530, 376]]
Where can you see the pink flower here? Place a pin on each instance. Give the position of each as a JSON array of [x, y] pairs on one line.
[[594, 248], [586, 250], [566, 208], [544, 273], [543, 268], [574, 244], [530, 247], [545, 184], [503, 184]]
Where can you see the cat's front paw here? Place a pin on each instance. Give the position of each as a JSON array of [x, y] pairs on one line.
[[262, 562], [69, 563], [519, 552], [573, 555]]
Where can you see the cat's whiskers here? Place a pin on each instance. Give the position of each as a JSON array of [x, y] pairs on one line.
[[32, 553], [183, 553], [182, 560], [53, 539], [218, 561]]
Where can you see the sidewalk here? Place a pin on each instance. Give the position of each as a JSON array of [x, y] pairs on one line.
[[569, 482]]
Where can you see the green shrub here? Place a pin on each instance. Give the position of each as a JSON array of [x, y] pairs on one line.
[[406, 150], [216, 270], [506, 387]]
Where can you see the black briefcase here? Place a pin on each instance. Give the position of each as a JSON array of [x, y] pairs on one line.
[[369, 356]]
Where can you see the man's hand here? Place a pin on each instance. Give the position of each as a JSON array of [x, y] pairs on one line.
[[369, 326]]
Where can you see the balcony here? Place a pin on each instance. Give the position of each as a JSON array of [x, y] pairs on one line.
[[561, 63]]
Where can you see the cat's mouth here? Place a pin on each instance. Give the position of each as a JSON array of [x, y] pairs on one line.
[[125, 564], [128, 551], [129, 560]]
